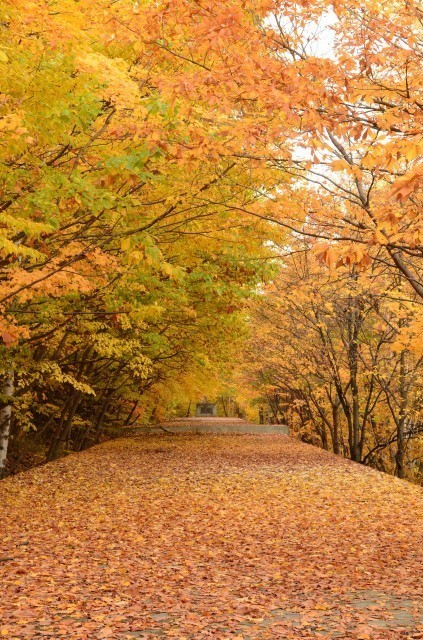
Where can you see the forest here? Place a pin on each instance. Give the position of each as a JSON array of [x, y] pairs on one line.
[[211, 198]]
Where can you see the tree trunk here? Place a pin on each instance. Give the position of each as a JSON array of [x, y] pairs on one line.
[[324, 436], [335, 422], [5, 420], [354, 323], [65, 423], [355, 424], [130, 414], [225, 411], [64, 426], [58, 430], [98, 422], [399, 456]]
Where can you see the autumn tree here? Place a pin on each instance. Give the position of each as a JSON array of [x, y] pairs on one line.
[[154, 159], [118, 248], [341, 355]]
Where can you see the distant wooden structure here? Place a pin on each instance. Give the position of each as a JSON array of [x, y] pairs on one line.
[[206, 409]]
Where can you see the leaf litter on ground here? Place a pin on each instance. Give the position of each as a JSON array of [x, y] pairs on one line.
[[214, 536]]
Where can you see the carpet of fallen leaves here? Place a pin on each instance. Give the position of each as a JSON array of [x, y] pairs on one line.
[[223, 537]]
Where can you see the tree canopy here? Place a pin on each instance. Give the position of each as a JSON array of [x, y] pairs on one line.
[[191, 184]]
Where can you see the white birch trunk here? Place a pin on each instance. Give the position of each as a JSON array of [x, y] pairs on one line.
[[5, 420]]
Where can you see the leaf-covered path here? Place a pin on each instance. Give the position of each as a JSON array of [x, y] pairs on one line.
[[195, 537]]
